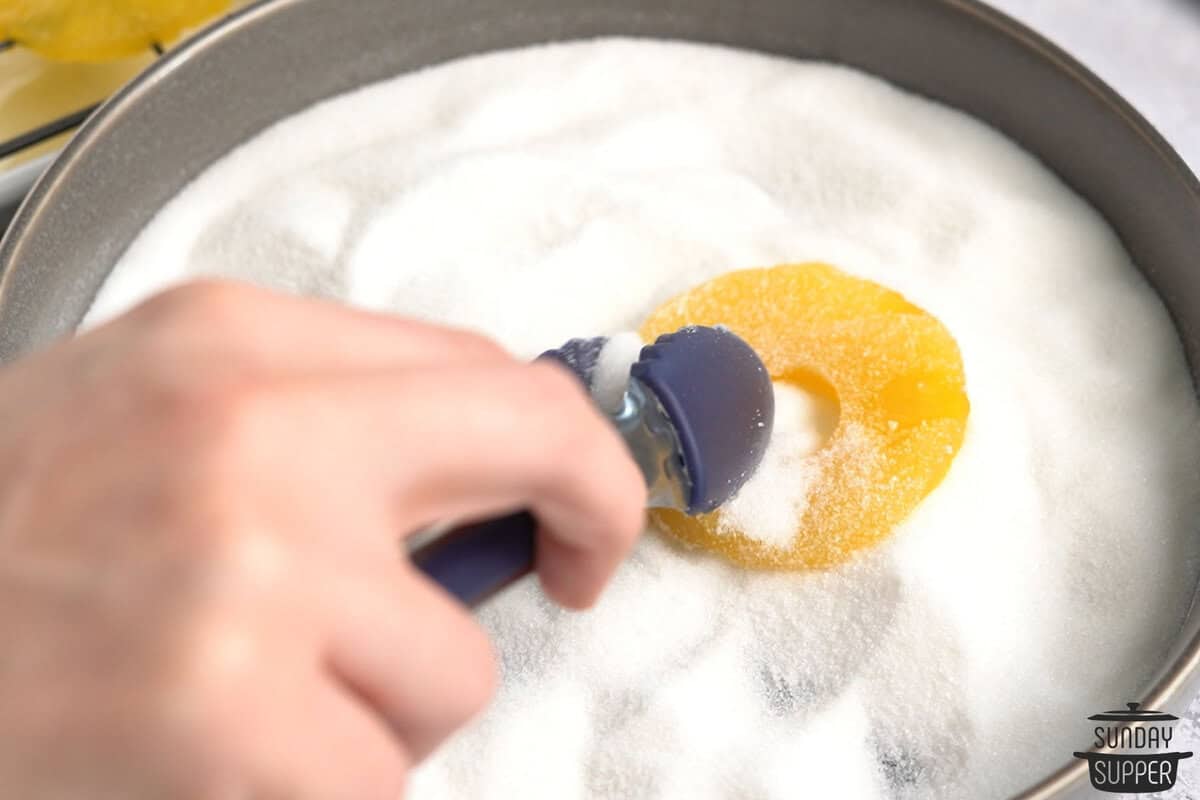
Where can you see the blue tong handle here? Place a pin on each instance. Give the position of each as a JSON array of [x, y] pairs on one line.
[[476, 561]]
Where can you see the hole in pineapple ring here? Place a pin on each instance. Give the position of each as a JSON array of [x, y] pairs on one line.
[[804, 401], [894, 375], [768, 505]]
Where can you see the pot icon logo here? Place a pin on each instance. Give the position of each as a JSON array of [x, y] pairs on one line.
[[1131, 751]]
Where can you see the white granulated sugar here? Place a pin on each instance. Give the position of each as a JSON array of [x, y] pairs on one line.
[[566, 191], [769, 506], [611, 375]]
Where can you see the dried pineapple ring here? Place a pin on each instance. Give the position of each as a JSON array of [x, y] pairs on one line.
[[100, 30], [895, 373]]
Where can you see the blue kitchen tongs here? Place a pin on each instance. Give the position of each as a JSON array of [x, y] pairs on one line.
[[697, 414]]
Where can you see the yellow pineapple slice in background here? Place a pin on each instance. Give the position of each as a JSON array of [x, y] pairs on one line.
[[99, 30]]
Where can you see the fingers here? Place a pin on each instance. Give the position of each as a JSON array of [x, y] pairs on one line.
[[418, 658], [470, 442], [280, 334]]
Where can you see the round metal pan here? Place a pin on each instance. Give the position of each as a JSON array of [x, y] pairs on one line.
[[275, 58]]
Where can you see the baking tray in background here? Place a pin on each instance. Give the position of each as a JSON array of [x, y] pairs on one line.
[[42, 102]]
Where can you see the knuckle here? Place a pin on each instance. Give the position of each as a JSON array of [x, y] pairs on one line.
[[557, 384], [199, 307], [201, 299], [199, 447], [204, 673], [176, 348], [217, 651], [219, 441], [478, 344], [236, 555], [192, 332], [213, 429], [230, 422]]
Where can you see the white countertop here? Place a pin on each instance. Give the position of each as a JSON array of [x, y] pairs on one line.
[[1148, 50]]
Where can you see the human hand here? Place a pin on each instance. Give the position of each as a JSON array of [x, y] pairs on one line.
[[201, 589]]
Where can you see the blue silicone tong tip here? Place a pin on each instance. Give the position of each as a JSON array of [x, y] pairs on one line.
[[718, 395], [704, 385]]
